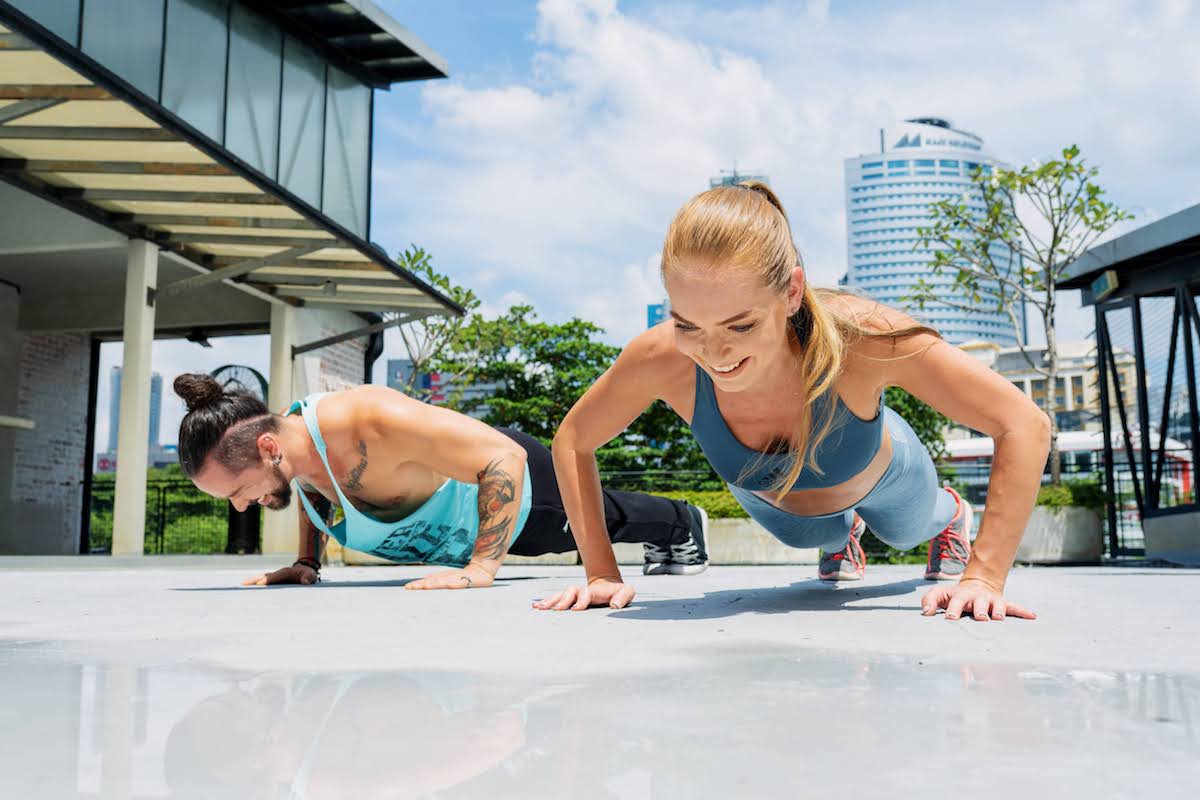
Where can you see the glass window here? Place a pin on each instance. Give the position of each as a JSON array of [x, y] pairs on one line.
[[60, 17], [126, 37], [948, 162], [872, 165], [194, 63], [872, 176], [897, 165], [347, 150], [924, 162], [303, 122], [252, 121]]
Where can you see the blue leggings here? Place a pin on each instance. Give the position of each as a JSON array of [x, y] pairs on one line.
[[906, 507]]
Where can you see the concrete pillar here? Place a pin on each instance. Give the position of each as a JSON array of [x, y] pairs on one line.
[[280, 531], [1069, 391], [129, 506]]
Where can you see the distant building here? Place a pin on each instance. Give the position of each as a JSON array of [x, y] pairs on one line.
[[656, 313], [430, 387], [733, 178], [888, 197], [114, 409], [1075, 401]]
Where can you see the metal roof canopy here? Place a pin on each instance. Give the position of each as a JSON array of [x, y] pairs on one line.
[[76, 135], [377, 48], [1152, 259]]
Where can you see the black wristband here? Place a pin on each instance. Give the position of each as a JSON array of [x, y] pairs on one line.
[[311, 563]]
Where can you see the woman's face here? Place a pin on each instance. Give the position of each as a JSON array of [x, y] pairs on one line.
[[735, 328]]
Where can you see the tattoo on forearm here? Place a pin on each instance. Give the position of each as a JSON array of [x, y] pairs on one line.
[[497, 492], [355, 481]]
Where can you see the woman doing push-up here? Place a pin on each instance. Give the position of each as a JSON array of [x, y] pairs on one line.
[[782, 386]]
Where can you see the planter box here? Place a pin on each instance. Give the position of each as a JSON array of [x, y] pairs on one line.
[[1174, 537], [730, 541], [1068, 535]]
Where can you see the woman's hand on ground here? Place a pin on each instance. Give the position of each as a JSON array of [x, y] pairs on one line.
[[294, 574], [974, 597], [472, 576], [600, 592]]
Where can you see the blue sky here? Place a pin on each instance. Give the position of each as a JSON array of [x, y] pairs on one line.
[[548, 166]]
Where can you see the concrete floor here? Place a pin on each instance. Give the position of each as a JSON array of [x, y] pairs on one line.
[[161, 677]]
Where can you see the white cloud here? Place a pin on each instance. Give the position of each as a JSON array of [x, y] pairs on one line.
[[555, 186]]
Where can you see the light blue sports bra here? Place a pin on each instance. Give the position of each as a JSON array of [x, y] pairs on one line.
[[441, 531], [850, 446]]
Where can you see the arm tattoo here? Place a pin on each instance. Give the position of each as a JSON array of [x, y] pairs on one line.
[[497, 491], [355, 482]]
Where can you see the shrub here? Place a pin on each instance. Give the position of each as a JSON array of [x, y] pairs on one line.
[[1085, 492], [719, 504]]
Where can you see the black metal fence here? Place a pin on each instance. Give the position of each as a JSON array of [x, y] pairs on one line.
[[182, 519], [179, 518], [972, 482]]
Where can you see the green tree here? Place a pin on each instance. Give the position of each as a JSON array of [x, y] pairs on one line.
[[425, 337], [537, 370], [1035, 221]]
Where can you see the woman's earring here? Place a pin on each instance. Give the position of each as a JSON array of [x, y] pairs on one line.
[[278, 458]]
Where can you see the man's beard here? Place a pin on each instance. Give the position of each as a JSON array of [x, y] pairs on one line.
[[282, 496]]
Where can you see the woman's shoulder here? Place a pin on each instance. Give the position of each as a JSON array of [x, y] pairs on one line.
[[654, 353], [879, 335]]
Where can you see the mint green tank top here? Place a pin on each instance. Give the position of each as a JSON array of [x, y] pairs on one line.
[[442, 531]]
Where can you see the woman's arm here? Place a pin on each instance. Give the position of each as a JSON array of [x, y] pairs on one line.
[[606, 409], [968, 392]]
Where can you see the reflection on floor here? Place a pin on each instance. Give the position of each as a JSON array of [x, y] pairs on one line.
[[739, 717]]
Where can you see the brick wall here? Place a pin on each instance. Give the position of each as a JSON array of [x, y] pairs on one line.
[[49, 459], [342, 364]]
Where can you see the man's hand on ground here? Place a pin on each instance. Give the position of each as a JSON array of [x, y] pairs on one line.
[[295, 574], [600, 592], [472, 576]]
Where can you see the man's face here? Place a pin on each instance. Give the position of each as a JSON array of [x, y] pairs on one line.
[[264, 484]]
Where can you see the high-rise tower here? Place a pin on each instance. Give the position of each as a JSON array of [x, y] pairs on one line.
[[888, 195]]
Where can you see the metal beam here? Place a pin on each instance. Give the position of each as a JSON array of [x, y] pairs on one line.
[[332, 289], [378, 304], [321, 263], [110, 167], [85, 134], [30, 91], [231, 238], [231, 271], [23, 108], [12, 42], [180, 197], [403, 319], [210, 221], [329, 274]]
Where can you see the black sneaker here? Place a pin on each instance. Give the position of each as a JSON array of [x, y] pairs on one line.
[[690, 557], [657, 559]]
